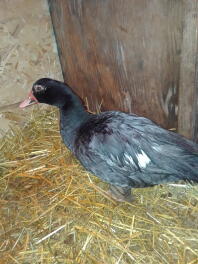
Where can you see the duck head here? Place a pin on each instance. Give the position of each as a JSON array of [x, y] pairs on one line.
[[49, 91]]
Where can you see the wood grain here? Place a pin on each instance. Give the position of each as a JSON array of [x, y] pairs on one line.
[[188, 91], [125, 54]]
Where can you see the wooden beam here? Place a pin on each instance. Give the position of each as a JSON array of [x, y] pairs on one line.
[[125, 54], [188, 87]]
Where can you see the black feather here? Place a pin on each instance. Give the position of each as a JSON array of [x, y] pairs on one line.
[[122, 149]]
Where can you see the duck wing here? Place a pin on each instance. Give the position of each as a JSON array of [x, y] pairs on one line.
[[127, 150]]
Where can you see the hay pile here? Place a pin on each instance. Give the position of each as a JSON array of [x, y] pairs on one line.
[[53, 211]]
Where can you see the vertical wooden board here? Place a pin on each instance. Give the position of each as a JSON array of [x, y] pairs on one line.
[[188, 91], [125, 54]]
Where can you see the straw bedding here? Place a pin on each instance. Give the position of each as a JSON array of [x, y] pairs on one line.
[[53, 211]]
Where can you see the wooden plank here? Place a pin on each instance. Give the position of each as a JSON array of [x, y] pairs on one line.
[[188, 89], [123, 53]]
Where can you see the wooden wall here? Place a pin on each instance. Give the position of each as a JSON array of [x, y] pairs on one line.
[[133, 56]]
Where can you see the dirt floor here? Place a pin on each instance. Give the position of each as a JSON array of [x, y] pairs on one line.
[[27, 53]]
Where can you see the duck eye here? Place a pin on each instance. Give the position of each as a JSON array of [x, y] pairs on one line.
[[39, 88]]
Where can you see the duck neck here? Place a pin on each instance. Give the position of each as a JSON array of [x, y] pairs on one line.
[[71, 118]]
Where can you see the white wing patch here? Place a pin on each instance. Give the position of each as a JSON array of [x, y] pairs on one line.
[[128, 159], [143, 159]]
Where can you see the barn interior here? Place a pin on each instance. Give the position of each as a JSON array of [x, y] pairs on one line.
[[52, 210]]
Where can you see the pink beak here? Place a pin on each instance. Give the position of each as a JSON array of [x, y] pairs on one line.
[[29, 101]]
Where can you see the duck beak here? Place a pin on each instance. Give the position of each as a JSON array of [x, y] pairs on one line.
[[29, 101]]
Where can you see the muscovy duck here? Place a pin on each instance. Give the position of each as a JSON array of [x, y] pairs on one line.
[[125, 150]]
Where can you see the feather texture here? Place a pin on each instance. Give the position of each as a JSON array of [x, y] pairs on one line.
[[127, 150]]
